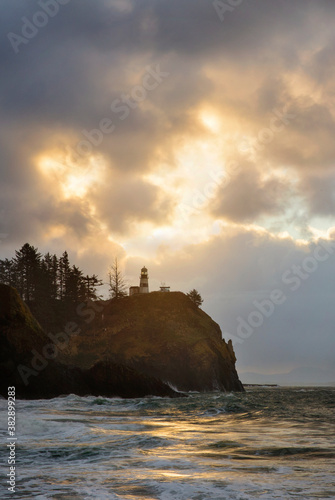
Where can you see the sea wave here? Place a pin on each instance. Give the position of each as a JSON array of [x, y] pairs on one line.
[[267, 443]]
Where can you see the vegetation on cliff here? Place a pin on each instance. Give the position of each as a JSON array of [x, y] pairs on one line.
[[47, 278]]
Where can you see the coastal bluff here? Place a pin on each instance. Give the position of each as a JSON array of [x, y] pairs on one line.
[[156, 344]]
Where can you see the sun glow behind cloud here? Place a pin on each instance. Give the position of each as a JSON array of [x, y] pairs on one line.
[[192, 178], [72, 180], [190, 181], [211, 121]]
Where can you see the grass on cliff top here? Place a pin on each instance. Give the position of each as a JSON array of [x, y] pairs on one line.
[[142, 325]]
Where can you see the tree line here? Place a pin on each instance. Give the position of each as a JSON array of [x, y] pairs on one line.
[[37, 277], [45, 278]]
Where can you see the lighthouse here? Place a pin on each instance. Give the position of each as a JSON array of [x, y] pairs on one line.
[[144, 281]]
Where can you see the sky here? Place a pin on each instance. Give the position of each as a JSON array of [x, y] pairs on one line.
[[195, 137]]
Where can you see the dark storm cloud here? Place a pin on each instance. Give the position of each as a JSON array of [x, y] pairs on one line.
[[61, 73]]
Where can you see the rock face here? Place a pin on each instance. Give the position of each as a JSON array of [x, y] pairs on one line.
[[147, 344], [163, 335], [26, 362]]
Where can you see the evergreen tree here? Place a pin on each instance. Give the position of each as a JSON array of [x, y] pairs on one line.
[[27, 264], [74, 290], [43, 284], [91, 284], [50, 263], [7, 272], [195, 296], [63, 274], [45, 280], [117, 284]]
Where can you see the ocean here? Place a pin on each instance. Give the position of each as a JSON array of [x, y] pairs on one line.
[[266, 443]]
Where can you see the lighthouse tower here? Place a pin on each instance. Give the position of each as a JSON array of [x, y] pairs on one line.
[[144, 281]]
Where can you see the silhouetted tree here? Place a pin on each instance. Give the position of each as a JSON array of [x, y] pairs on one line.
[[72, 284], [117, 284], [43, 285], [63, 274], [27, 263], [195, 296], [7, 272], [50, 265], [91, 284], [47, 279]]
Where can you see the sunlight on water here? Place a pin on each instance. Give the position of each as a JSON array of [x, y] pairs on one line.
[[264, 444]]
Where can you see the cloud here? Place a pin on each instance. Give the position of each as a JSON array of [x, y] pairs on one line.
[[319, 190], [125, 200], [247, 195]]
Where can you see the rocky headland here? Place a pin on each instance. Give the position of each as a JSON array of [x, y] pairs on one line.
[[157, 344]]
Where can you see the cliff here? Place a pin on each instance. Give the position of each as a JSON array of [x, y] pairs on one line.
[[31, 361], [140, 345]]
